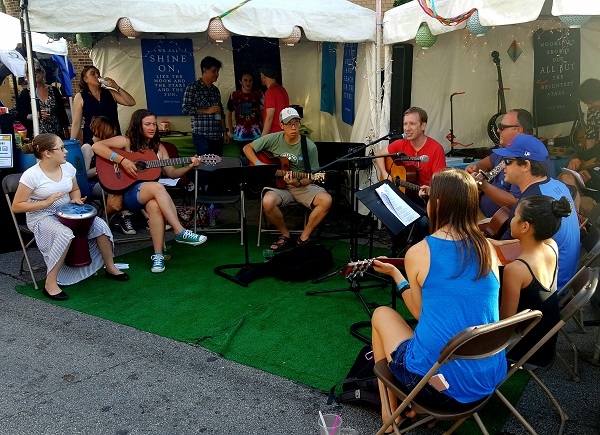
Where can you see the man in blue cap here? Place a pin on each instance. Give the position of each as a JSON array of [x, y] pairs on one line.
[[524, 165]]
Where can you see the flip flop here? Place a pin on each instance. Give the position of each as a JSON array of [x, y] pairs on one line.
[[280, 244]]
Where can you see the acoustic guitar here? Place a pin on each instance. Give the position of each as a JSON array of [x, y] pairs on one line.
[[283, 164], [404, 177], [114, 180], [488, 176], [496, 226], [492, 127]]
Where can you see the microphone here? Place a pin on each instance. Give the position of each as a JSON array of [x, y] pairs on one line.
[[404, 158], [396, 136]]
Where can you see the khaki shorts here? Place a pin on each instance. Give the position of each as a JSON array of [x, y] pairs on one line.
[[304, 195]]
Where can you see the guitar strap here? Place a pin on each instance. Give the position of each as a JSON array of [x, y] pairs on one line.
[[304, 146]]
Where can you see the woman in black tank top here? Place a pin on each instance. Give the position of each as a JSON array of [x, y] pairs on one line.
[[530, 281]]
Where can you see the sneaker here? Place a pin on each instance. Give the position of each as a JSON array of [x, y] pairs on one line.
[[167, 226], [189, 237], [158, 263], [126, 225]]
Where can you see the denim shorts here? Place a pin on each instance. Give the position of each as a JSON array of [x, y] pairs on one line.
[[428, 394], [131, 198]]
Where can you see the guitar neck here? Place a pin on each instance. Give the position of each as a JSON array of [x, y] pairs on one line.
[[168, 162], [281, 173], [501, 90], [407, 185]]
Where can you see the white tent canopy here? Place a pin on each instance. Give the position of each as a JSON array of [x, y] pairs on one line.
[[331, 20], [401, 23], [10, 36]]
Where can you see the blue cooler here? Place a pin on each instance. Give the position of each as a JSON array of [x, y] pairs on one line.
[[24, 161], [75, 157]]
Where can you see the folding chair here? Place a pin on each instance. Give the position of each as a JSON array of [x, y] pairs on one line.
[[476, 342], [585, 283], [263, 218], [222, 189], [10, 183]]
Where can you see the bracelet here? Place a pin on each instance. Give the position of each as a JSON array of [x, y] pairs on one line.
[[112, 157], [258, 163], [402, 287], [119, 90], [300, 182], [121, 161]]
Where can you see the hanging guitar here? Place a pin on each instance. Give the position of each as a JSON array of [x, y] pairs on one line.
[[283, 163], [404, 177], [114, 180], [492, 127], [577, 136]]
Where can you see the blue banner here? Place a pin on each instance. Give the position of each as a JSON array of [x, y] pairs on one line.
[[348, 80], [328, 77], [168, 69]]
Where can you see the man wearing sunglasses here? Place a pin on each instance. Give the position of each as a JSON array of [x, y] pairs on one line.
[[523, 161], [497, 192]]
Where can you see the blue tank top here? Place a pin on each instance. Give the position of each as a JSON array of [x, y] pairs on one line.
[[107, 106], [452, 301]]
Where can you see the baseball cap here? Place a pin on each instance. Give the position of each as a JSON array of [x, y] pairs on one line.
[[288, 114], [524, 146]]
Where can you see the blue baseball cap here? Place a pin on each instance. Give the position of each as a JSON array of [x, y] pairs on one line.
[[524, 146]]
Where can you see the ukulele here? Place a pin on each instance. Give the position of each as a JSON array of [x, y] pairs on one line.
[[114, 180], [283, 164], [492, 127], [497, 223], [358, 268], [404, 177]]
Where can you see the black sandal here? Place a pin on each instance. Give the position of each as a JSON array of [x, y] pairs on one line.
[[280, 244], [301, 242]]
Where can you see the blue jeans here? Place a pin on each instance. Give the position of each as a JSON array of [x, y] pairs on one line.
[[428, 394]]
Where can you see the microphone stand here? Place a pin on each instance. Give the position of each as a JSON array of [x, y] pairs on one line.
[[355, 286]]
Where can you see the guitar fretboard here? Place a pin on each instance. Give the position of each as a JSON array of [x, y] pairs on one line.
[[167, 162], [281, 173]]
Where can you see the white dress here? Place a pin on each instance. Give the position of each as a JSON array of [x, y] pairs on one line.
[[51, 236]]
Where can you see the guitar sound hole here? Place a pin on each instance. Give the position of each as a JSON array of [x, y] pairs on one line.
[[140, 165]]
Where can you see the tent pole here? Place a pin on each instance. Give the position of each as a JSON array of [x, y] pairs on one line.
[[70, 96], [379, 28], [31, 72]]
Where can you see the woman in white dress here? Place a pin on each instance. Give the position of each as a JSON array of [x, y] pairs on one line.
[[45, 187]]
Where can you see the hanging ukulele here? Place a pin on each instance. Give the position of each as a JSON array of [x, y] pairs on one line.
[[492, 127]]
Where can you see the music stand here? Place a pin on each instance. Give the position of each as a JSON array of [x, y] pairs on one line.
[[261, 174]]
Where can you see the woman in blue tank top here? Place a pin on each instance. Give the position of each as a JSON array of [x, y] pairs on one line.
[[452, 284]]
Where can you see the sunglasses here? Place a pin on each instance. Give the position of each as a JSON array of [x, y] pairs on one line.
[[502, 127], [508, 162]]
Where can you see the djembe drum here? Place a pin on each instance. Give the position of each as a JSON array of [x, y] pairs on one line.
[[79, 219]]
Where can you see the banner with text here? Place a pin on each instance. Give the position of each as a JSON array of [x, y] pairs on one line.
[[348, 80], [168, 69], [556, 64]]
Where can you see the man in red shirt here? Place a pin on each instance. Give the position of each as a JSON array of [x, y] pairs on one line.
[[415, 144], [276, 99]]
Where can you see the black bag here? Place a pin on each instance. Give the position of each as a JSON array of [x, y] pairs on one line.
[[300, 264], [360, 386]]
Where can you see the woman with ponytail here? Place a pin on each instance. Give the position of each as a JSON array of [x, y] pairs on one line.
[[530, 280]]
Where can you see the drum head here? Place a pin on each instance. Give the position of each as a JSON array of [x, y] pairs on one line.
[[76, 211]]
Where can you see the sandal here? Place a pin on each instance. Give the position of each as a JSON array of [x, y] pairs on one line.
[[280, 244], [301, 242], [405, 422]]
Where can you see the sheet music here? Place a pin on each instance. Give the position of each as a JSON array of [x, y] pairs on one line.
[[578, 179], [397, 205]]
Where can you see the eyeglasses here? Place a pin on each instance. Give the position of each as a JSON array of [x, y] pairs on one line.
[[38, 70], [504, 127], [508, 162], [293, 124], [54, 149]]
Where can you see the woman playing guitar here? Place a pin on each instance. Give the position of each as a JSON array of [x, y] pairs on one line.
[[142, 136]]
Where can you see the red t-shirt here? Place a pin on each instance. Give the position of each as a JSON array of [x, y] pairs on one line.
[[276, 98], [432, 149]]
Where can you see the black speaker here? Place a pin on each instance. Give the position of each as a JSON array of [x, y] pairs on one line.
[[402, 56]]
